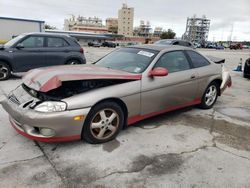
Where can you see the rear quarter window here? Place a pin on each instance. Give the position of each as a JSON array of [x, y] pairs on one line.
[[197, 59], [57, 42]]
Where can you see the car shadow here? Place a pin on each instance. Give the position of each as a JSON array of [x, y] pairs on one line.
[[149, 123]]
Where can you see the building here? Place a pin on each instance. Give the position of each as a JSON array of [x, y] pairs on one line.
[[158, 31], [84, 24], [125, 21], [112, 25], [143, 30], [197, 30], [11, 27], [84, 38]]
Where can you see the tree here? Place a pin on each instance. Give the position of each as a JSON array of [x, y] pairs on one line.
[[47, 26], [169, 34]]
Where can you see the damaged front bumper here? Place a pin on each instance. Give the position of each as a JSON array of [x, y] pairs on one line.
[[29, 122], [226, 80]]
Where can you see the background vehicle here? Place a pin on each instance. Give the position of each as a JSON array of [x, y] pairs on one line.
[[94, 44], [211, 45], [34, 50], [96, 101], [109, 44], [219, 47], [246, 72], [236, 46], [175, 42]]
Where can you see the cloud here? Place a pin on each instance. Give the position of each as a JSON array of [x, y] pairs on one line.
[[165, 13]]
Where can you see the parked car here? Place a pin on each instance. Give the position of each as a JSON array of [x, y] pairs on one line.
[[34, 50], [211, 45], [94, 44], [246, 72], [174, 42], [109, 44], [96, 101], [236, 46], [245, 47], [219, 47]]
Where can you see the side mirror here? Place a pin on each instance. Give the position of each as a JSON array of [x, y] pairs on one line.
[[19, 46], [159, 71]]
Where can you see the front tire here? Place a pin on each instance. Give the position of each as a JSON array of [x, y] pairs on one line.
[[210, 96], [4, 71], [103, 123]]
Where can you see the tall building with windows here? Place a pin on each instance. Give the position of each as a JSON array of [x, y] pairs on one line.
[[112, 25], [126, 21]]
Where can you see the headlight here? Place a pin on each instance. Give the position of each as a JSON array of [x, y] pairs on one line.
[[51, 106]]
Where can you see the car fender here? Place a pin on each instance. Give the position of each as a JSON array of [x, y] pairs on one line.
[[7, 60]]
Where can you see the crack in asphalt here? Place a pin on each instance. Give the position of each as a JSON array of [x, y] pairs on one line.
[[51, 163], [149, 163], [5, 142], [243, 157], [24, 160], [211, 130]]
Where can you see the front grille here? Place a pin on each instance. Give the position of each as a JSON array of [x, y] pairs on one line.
[[14, 100]]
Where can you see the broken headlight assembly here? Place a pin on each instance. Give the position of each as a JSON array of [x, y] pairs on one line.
[[51, 106]]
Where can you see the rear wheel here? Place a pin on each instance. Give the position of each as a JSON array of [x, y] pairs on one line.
[[103, 123], [210, 96], [4, 71], [73, 62]]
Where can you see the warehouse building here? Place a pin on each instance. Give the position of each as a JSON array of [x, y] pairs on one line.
[[84, 37], [11, 27]]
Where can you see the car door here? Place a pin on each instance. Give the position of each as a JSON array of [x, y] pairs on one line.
[[204, 71], [28, 55], [57, 49], [177, 89]]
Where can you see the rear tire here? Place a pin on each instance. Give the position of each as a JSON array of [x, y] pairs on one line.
[[73, 62], [210, 96], [103, 123], [4, 71]]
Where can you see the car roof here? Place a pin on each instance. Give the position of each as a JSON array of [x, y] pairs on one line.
[[173, 40], [161, 47], [46, 34]]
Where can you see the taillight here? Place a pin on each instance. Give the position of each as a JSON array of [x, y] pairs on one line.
[[81, 51]]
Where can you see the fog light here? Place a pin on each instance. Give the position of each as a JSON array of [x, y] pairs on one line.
[[47, 132]]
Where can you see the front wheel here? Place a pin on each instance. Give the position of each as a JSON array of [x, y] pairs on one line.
[[4, 71], [210, 96], [103, 123]]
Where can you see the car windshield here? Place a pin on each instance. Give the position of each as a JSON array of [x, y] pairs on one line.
[[133, 60], [13, 41]]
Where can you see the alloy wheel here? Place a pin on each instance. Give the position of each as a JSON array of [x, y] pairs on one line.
[[211, 95], [4, 71], [104, 124]]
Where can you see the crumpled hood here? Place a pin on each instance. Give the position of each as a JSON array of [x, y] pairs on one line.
[[46, 79]]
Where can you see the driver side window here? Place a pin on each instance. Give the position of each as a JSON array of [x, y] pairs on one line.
[[33, 42], [173, 61]]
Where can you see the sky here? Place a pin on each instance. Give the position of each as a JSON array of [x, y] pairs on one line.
[[227, 16]]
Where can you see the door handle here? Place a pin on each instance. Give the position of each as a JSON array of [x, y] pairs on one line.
[[192, 76]]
